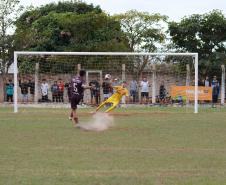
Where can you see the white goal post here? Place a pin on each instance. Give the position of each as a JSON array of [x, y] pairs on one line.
[[37, 53]]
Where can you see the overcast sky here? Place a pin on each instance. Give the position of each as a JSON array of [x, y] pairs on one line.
[[175, 9]]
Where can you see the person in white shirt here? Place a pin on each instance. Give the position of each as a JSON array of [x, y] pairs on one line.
[[144, 90], [44, 90], [207, 82]]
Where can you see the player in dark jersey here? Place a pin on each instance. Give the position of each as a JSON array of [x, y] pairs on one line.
[[76, 89]]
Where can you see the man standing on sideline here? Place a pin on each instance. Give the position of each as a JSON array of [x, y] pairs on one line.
[[144, 90], [215, 91], [207, 82], [31, 85], [61, 90], [44, 90], [107, 88], [55, 92], [76, 89], [115, 83], [162, 93], [133, 89], [24, 90], [95, 92]]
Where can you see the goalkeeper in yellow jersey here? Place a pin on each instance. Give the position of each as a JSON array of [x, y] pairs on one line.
[[115, 99]]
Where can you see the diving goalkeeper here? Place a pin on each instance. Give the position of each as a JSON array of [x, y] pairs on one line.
[[115, 99]]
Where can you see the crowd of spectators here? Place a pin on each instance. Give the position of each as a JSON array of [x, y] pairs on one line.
[[57, 89]]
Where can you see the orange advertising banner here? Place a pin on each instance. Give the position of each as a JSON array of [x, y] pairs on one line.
[[204, 93]]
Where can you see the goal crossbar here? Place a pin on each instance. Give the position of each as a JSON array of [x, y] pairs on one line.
[[18, 53], [102, 53]]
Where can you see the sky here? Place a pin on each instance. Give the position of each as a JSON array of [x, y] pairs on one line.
[[175, 9]]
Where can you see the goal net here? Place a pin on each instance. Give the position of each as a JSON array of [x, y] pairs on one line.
[[153, 79]]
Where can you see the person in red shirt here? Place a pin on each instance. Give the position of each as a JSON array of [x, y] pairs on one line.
[[61, 90]]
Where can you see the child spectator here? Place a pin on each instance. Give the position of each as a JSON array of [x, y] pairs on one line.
[[9, 91]]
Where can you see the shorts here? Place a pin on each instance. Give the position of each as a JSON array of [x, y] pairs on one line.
[[106, 96], [133, 93], [162, 97], [75, 101], [24, 97], [93, 94], [144, 94]]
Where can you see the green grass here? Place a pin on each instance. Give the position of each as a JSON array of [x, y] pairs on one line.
[[145, 147]]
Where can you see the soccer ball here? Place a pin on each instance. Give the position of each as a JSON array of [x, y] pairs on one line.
[[107, 77]]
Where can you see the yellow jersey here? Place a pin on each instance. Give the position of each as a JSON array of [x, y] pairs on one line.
[[117, 96]]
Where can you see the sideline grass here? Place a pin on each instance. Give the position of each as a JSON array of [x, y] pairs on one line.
[[170, 147]]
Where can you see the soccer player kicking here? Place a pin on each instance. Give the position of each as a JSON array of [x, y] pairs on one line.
[[76, 88], [115, 99]]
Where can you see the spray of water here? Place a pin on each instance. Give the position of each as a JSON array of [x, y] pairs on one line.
[[99, 122]]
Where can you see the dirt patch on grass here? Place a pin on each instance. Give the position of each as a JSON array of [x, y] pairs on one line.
[[126, 114]]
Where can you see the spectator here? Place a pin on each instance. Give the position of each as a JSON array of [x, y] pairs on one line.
[[61, 90], [31, 86], [44, 90], [207, 82], [162, 93], [144, 90], [115, 83], [68, 88], [133, 89], [95, 92], [55, 92], [107, 88], [24, 90], [9, 91], [200, 82], [124, 99], [215, 91]]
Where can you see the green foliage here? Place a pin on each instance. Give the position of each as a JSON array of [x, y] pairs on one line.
[[143, 30], [9, 9], [68, 26], [26, 65], [204, 34]]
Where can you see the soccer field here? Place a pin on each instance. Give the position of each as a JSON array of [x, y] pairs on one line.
[[145, 147]]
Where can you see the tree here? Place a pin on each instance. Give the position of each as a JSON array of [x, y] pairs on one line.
[[9, 10], [8, 13], [68, 26], [144, 32], [204, 34]]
